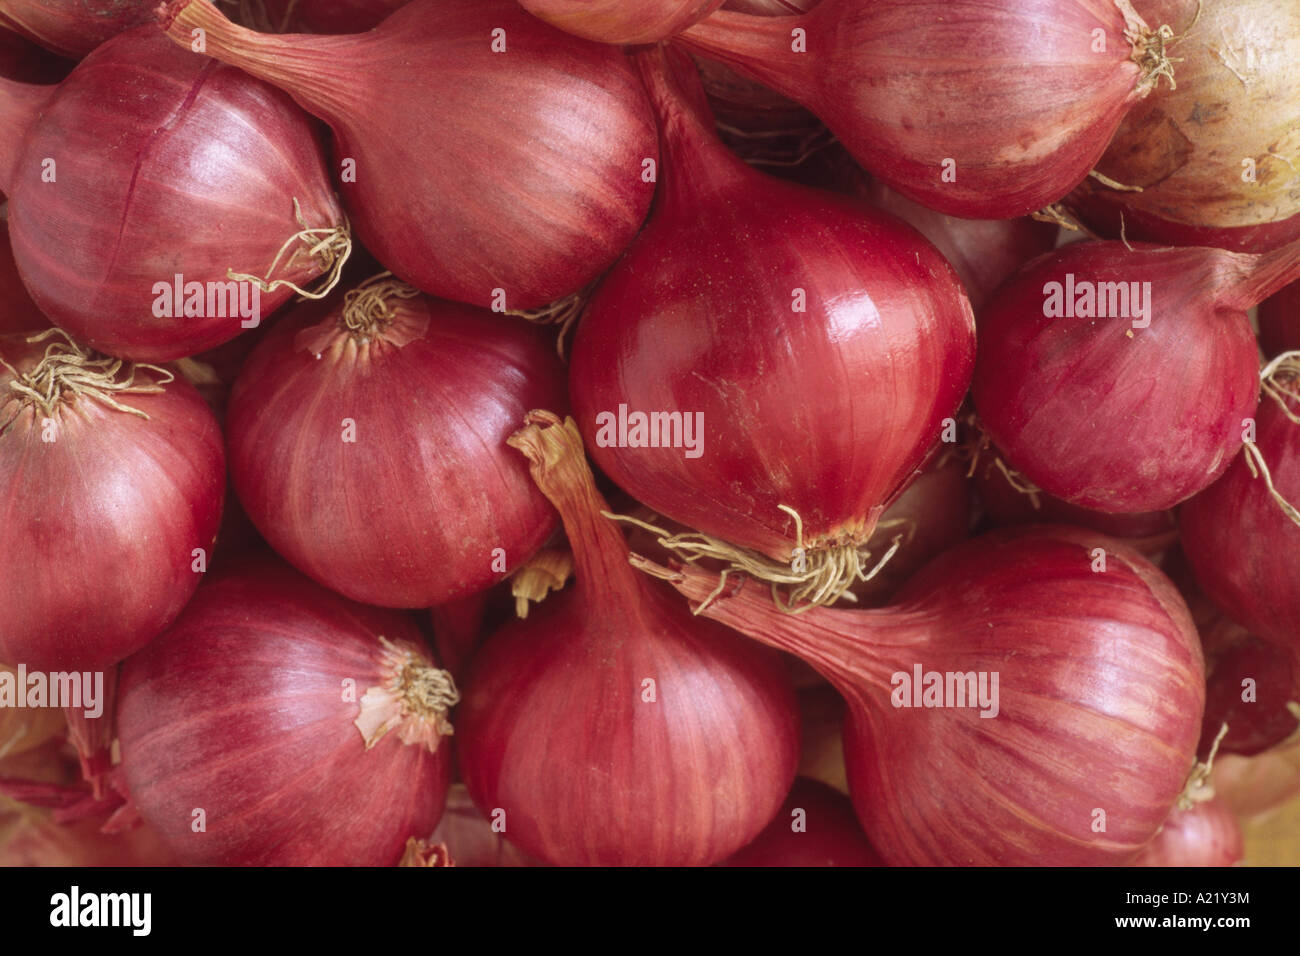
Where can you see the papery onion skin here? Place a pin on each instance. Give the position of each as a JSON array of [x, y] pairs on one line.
[[73, 28], [214, 191], [445, 507], [1241, 546], [908, 86], [611, 727], [1238, 73], [284, 778], [1279, 322], [830, 834], [1108, 416], [98, 552], [621, 21], [450, 193], [827, 411], [1208, 834], [1104, 714]]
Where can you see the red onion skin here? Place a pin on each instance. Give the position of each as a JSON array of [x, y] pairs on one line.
[[801, 409], [134, 207], [1239, 543], [1206, 835], [19, 313], [538, 205], [832, 836], [1118, 659], [1279, 322], [26, 62], [1112, 418], [284, 778], [73, 28], [893, 80], [770, 8], [621, 21], [685, 779], [442, 492], [114, 497]]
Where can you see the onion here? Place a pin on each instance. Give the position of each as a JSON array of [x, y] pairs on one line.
[[111, 473], [1239, 542], [621, 21], [806, 423], [1259, 714], [982, 110], [1216, 160], [331, 757], [610, 727], [1207, 834], [1137, 403], [507, 207], [73, 27], [1279, 322], [1255, 786], [1098, 706], [406, 401], [814, 827], [167, 165], [18, 313]]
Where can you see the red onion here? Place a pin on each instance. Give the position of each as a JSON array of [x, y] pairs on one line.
[[1252, 687], [610, 727], [167, 166], [505, 207], [1279, 322], [621, 21], [74, 27], [369, 448], [1098, 702], [111, 473], [771, 8], [1118, 379], [977, 110], [815, 826], [1237, 536], [1207, 834], [1216, 160], [331, 757], [814, 346], [18, 312]]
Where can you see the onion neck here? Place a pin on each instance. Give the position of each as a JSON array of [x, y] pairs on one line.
[[695, 161], [759, 47], [415, 700], [558, 464], [317, 71], [20, 105], [1267, 275], [858, 651]]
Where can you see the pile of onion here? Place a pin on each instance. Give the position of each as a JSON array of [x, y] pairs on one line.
[[814, 345], [611, 727], [110, 472], [510, 209], [335, 752], [140, 141], [945, 99], [369, 446], [1118, 378], [1093, 722], [1214, 160]]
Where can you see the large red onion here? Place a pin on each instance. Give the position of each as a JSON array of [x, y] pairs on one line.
[[621, 21], [815, 826], [369, 448], [112, 478], [1279, 322], [505, 179], [1239, 541], [74, 27], [1098, 706], [333, 755], [1214, 161], [610, 727], [1206, 834], [166, 165], [1117, 379], [814, 344], [988, 111]]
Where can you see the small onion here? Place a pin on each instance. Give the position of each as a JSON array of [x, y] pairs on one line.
[[1207, 834], [333, 755]]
